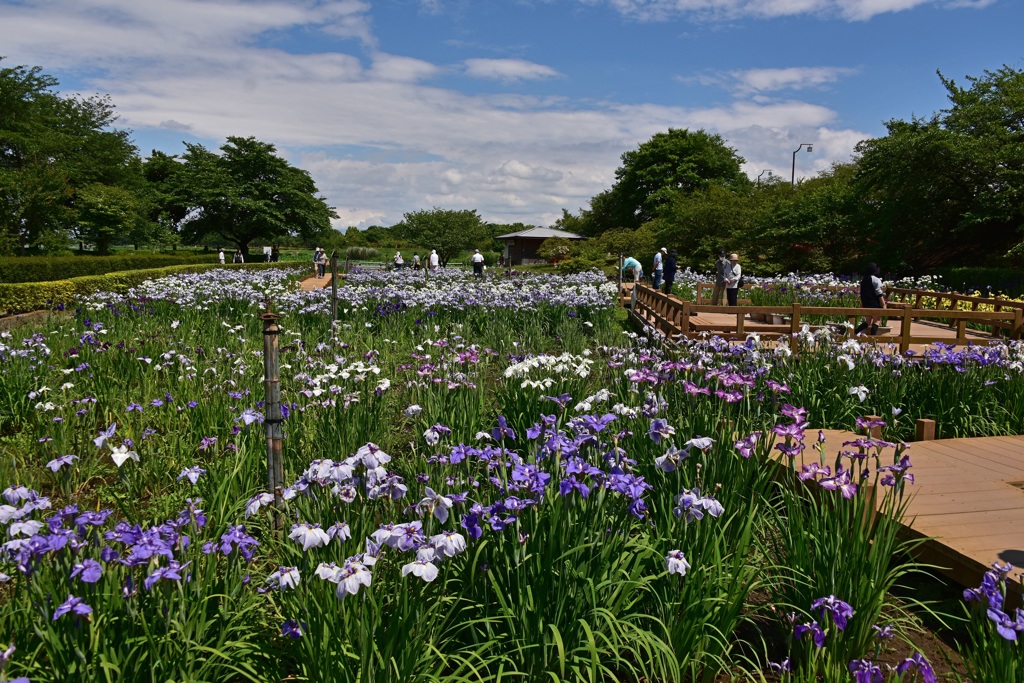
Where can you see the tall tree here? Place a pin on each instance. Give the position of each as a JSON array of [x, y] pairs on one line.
[[679, 162], [247, 192], [446, 231], [55, 152]]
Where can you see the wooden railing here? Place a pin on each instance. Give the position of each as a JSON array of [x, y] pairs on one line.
[[703, 293], [937, 301], [672, 317]]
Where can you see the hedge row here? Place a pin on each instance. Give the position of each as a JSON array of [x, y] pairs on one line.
[[48, 268], [24, 297]]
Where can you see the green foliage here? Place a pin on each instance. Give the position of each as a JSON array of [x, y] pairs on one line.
[[64, 170], [447, 231], [554, 249], [35, 296], [362, 254], [679, 162], [43, 268], [245, 193]]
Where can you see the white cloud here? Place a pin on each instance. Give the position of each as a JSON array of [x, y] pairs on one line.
[[508, 69], [378, 140], [851, 10], [794, 78]]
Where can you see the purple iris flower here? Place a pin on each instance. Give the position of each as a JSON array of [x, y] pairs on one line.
[[471, 523], [660, 429], [63, 460], [1008, 628], [921, 665], [866, 671], [104, 435], [293, 629], [74, 605], [207, 442], [816, 632], [502, 430], [192, 474], [840, 611], [172, 572], [89, 571]]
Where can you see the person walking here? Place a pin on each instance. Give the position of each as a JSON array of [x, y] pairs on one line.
[[631, 264], [659, 266], [316, 263], [478, 263], [722, 270], [670, 271], [872, 295], [321, 263], [238, 258], [433, 261], [732, 280], [416, 261], [399, 261], [220, 256], [275, 255]]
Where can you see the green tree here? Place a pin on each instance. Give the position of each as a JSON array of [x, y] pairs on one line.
[[446, 231], [679, 162], [248, 193], [54, 153]]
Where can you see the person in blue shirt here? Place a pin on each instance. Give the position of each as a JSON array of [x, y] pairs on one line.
[[632, 264]]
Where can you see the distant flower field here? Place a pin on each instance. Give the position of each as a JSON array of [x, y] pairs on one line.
[[486, 480]]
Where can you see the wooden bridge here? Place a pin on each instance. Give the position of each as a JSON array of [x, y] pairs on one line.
[[908, 326]]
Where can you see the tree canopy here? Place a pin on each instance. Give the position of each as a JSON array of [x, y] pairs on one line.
[[679, 162], [245, 193], [447, 231], [64, 170]]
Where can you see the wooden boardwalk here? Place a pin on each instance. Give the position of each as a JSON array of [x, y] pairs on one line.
[[967, 500]]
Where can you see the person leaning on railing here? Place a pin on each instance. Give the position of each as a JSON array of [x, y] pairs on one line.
[[872, 295]]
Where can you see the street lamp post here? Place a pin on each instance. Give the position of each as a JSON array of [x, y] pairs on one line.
[[761, 174], [810, 148]]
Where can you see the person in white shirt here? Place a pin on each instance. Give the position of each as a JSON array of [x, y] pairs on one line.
[[732, 280], [659, 266], [478, 263], [220, 256], [399, 261], [433, 262]]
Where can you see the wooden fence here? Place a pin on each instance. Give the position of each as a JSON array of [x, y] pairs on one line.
[[673, 317], [704, 291], [948, 301]]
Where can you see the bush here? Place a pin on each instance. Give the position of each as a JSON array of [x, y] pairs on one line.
[[49, 268], [1008, 281], [24, 297], [362, 254]]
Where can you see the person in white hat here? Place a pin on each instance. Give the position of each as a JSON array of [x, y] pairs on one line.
[[659, 266], [478, 263], [733, 280]]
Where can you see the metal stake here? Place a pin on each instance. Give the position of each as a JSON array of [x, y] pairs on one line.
[[334, 290], [272, 406]]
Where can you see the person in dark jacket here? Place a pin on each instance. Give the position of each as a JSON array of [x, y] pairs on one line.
[[670, 270], [872, 295]]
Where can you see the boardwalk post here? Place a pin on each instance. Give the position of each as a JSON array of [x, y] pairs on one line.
[[1018, 323], [334, 290], [272, 409], [684, 324], [924, 430], [905, 325], [632, 297], [794, 327]]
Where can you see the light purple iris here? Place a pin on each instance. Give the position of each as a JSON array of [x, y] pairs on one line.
[[192, 474], [63, 460], [104, 435]]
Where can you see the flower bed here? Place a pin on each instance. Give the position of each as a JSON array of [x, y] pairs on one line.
[[485, 480]]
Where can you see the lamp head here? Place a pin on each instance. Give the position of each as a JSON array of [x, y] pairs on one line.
[[810, 148]]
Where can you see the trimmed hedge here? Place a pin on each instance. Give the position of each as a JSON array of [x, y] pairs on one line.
[[24, 297], [49, 268]]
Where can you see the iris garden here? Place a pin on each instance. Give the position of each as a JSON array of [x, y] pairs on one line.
[[488, 480]]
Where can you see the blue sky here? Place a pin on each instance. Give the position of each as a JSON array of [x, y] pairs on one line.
[[516, 108]]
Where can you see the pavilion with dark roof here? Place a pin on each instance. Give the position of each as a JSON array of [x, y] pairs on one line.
[[521, 247]]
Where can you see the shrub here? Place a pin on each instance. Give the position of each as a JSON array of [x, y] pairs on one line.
[[49, 268], [363, 254], [24, 297]]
